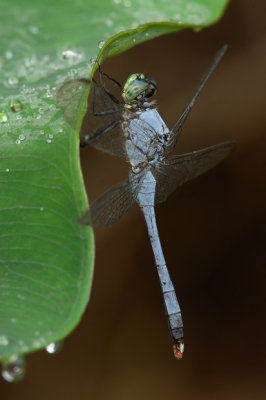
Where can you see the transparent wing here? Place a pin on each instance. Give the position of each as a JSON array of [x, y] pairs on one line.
[[176, 170], [113, 204], [71, 97], [176, 131], [101, 124]]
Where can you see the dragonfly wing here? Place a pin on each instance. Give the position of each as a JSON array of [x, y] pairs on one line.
[[176, 170], [71, 97], [113, 204], [101, 124], [176, 131]]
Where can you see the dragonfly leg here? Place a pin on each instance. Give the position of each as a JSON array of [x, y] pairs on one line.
[[94, 101], [107, 91], [98, 135]]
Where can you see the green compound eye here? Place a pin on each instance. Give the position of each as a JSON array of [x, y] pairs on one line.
[[138, 87]]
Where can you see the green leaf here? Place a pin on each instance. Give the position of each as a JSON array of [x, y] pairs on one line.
[[46, 256]]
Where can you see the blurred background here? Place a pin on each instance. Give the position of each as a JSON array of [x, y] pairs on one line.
[[213, 233]]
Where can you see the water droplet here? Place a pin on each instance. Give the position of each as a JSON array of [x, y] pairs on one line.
[[13, 320], [49, 141], [16, 105], [13, 369], [54, 347], [12, 80], [101, 43], [109, 22], [18, 141], [69, 54], [51, 136], [3, 117], [41, 132], [34, 30], [7, 169], [92, 60], [61, 130], [21, 137], [41, 208], [9, 54], [4, 340], [48, 93]]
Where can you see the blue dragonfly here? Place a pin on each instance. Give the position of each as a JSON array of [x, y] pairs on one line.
[[133, 128]]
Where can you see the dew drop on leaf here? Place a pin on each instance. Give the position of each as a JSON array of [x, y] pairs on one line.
[[16, 105], [3, 117], [101, 44], [12, 80], [4, 341]]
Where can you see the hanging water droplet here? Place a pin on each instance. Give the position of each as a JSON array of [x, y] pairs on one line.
[[54, 347], [16, 105], [3, 117], [101, 43], [21, 137], [13, 369], [4, 340], [12, 80]]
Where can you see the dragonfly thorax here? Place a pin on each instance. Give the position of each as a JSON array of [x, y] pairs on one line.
[[146, 134], [137, 89]]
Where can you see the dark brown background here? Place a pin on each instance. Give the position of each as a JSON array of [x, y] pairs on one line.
[[213, 232]]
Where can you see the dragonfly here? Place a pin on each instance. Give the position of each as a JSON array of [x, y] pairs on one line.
[[132, 127]]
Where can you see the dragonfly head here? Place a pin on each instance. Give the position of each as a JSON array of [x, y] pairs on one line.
[[138, 88]]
